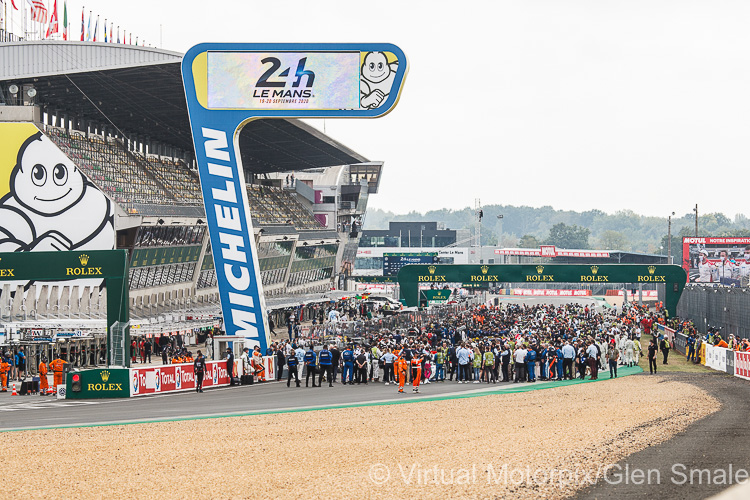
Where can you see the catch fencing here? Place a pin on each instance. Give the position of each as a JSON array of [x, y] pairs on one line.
[[721, 307], [397, 321]]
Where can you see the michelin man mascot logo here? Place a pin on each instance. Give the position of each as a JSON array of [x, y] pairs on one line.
[[49, 204], [377, 77]]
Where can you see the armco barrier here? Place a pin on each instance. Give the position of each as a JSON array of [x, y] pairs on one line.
[[735, 363], [742, 365]]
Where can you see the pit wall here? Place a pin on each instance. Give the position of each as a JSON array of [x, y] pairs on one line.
[[180, 377]]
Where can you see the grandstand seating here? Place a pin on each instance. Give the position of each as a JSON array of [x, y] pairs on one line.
[[176, 176], [272, 205], [110, 167], [131, 179]]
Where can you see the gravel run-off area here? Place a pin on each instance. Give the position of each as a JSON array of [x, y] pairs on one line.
[[538, 444]]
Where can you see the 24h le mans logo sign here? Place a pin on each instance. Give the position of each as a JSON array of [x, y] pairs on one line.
[[229, 85]]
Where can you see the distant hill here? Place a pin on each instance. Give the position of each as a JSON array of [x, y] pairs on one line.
[[527, 226]]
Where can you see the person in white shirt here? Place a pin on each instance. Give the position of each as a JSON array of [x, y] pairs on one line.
[[725, 268], [706, 268], [520, 358], [569, 354], [629, 352]]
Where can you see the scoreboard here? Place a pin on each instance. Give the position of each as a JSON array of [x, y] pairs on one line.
[[393, 262]]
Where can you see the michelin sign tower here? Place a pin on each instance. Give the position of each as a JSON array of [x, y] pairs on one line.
[[229, 85]]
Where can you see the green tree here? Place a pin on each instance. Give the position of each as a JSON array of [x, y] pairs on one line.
[[563, 236], [528, 241], [613, 240]]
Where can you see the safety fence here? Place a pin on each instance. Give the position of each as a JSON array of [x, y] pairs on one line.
[[721, 359], [722, 307]]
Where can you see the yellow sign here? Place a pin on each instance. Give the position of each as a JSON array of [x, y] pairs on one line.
[[104, 386], [432, 279], [83, 271], [485, 277]]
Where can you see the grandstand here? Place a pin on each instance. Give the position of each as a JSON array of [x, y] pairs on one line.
[[118, 113]]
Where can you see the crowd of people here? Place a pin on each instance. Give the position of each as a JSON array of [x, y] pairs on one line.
[[482, 344]]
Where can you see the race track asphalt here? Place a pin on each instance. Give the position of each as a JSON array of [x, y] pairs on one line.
[[29, 412], [719, 444]]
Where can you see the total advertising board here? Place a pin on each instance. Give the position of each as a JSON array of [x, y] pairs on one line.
[[227, 85], [174, 378], [180, 377]]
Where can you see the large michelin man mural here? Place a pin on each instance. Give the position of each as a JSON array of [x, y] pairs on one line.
[[377, 75], [46, 203]]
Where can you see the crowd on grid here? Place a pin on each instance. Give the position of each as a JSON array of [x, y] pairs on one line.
[[483, 344]]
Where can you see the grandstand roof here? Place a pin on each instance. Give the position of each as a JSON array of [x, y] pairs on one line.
[[139, 90]]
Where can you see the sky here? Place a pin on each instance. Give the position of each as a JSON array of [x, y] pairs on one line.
[[596, 104]]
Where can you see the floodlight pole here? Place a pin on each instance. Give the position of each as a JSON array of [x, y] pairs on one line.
[[696, 219], [669, 237]]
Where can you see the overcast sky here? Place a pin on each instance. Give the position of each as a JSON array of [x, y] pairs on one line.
[[612, 105]]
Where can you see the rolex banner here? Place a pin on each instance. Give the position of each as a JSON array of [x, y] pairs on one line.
[[229, 85], [98, 384]]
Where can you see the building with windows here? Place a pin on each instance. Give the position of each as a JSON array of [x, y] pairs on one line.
[[450, 246]]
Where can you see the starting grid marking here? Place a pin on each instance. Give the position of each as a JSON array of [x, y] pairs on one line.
[[40, 405]]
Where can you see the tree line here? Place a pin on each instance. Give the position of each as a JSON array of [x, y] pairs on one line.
[[529, 227]]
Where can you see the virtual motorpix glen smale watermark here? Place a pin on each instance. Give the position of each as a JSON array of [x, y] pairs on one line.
[[613, 474]]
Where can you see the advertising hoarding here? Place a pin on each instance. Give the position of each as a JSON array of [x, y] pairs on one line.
[[717, 260]]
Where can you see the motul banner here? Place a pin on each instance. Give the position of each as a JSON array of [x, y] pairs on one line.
[[174, 378], [540, 292]]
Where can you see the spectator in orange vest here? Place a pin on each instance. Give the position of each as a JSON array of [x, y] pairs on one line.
[[43, 381], [402, 366], [57, 372], [4, 369]]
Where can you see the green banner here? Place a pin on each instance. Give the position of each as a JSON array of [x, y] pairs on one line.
[[375, 279], [672, 276], [436, 295], [99, 383]]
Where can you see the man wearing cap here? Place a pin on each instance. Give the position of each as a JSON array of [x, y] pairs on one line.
[[325, 360], [291, 363], [311, 362]]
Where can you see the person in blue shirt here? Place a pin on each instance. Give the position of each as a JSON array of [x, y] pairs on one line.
[[291, 363], [311, 362], [560, 375], [543, 363], [531, 364], [348, 358], [691, 347], [21, 363], [325, 362]]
